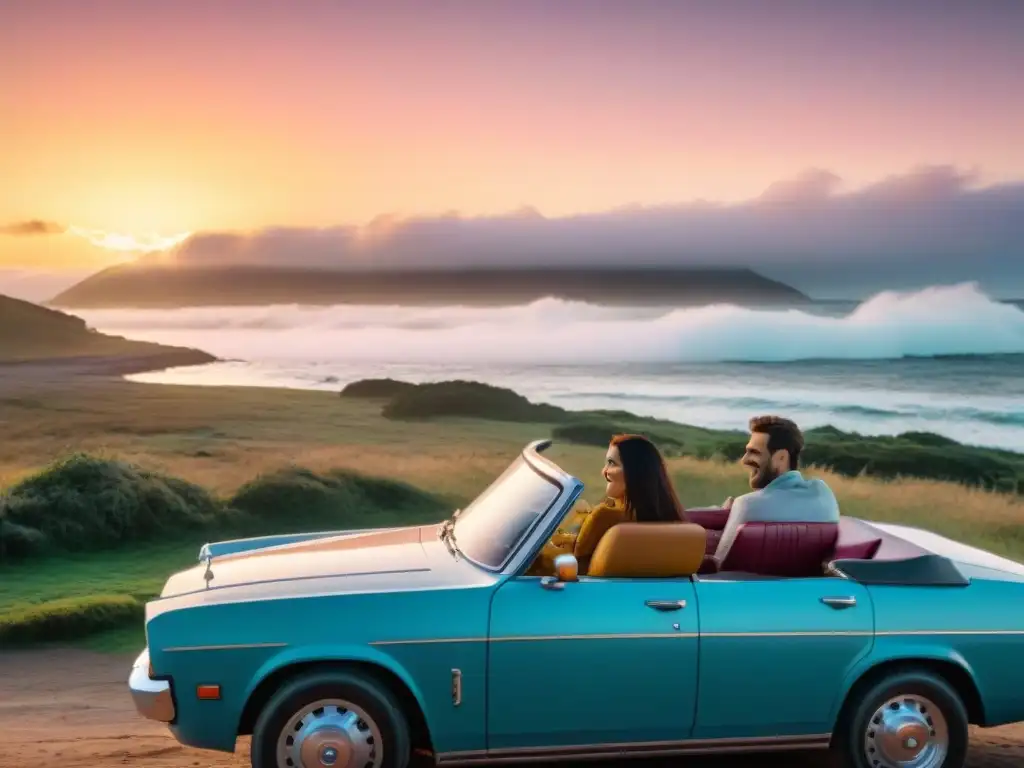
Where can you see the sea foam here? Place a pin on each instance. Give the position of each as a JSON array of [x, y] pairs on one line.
[[945, 320]]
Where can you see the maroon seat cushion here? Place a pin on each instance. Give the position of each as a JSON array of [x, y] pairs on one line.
[[781, 549], [712, 518], [857, 550]]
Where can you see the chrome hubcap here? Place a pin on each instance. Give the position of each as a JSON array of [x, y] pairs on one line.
[[907, 732], [331, 733]]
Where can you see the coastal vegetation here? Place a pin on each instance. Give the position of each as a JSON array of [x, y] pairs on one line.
[[911, 454], [108, 488]]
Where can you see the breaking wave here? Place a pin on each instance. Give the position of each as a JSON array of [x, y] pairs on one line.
[[938, 321]]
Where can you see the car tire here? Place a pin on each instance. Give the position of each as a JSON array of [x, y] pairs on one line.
[[886, 721], [351, 713]]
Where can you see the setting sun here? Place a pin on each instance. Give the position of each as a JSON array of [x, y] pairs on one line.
[[127, 243]]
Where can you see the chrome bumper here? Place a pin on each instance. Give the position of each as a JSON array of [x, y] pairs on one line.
[[152, 698]]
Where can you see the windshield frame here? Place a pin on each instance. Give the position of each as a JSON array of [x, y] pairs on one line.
[[567, 489]]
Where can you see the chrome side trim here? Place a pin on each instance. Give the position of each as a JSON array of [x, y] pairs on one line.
[[917, 632], [611, 636], [430, 641], [158, 602], [822, 633], [539, 638], [233, 647], [635, 749], [662, 635]]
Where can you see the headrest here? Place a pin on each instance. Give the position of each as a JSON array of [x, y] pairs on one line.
[[649, 550]]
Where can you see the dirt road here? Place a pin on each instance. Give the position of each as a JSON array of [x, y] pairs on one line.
[[71, 708]]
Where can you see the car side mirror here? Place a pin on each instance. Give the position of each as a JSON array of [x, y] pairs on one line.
[[567, 568]]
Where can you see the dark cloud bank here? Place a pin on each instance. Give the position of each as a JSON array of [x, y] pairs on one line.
[[930, 225], [31, 227]]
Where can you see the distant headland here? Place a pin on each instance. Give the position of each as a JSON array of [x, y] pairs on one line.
[[159, 286], [31, 335]]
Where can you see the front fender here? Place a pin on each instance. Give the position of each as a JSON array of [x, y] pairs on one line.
[[364, 654]]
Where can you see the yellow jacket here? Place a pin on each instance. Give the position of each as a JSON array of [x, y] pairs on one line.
[[601, 519], [578, 535]]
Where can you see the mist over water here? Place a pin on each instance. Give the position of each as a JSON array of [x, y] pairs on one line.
[[714, 365], [957, 320]]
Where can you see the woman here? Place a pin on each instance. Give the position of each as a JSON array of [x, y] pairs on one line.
[[638, 490]]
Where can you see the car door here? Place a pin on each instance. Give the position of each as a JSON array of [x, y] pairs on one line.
[[597, 662], [774, 652]]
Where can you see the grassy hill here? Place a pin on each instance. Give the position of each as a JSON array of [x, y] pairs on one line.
[[31, 333], [149, 285]]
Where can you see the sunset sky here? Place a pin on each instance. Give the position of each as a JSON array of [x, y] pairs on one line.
[[136, 119]]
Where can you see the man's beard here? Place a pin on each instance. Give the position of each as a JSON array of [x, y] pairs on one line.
[[763, 477]]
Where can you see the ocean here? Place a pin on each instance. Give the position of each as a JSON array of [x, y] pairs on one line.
[[947, 359]]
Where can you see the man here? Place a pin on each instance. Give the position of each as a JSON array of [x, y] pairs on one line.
[[781, 494]]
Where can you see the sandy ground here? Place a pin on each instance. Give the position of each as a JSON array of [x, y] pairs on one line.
[[71, 708]]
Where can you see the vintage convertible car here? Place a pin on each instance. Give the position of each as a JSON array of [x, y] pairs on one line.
[[366, 649]]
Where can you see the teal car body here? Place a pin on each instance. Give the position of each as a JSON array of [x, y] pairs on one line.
[[489, 665]]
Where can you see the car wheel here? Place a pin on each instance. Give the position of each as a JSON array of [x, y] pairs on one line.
[[331, 720], [909, 719]]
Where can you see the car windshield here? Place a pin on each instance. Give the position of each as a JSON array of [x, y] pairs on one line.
[[490, 528]]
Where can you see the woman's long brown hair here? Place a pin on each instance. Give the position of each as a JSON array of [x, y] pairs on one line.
[[650, 495]]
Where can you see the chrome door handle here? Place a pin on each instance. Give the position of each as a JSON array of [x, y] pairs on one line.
[[839, 602], [665, 605]]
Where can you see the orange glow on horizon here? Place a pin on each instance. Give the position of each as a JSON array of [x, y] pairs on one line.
[[126, 243]]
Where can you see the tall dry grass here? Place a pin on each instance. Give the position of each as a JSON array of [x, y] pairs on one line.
[[220, 438]]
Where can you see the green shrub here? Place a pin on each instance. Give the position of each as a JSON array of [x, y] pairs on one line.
[[826, 432], [341, 497], [84, 503], [895, 458], [730, 450], [18, 540], [376, 388], [470, 399], [68, 618], [929, 439]]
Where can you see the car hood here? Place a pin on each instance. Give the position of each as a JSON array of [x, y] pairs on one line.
[[395, 551]]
